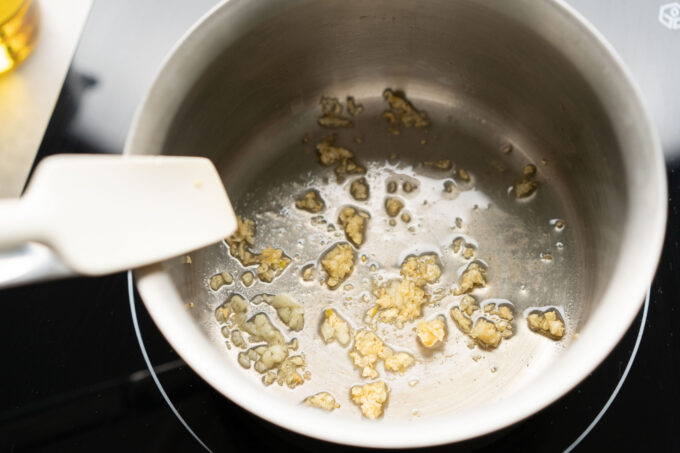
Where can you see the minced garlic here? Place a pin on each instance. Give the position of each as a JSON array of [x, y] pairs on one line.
[[468, 249], [237, 339], [290, 311], [421, 269], [247, 278], [399, 301], [486, 334], [241, 241], [329, 154], [457, 244], [450, 186], [529, 170], [463, 322], [219, 280], [527, 185], [236, 306], [472, 277], [393, 206], [359, 189], [397, 362], [432, 333], [332, 110], [370, 398], [354, 222], [338, 264], [443, 164], [463, 175], [368, 349], [366, 352], [271, 359], [505, 312], [269, 356], [403, 112], [308, 272], [272, 263], [548, 323], [489, 330], [352, 107], [468, 305], [261, 328], [311, 201], [288, 373], [342, 158], [322, 400], [408, 186], [334, 328]]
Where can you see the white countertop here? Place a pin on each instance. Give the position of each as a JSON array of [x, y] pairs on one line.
[[29, 92]]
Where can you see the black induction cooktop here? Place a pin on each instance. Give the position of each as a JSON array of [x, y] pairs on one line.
[[85, 369]]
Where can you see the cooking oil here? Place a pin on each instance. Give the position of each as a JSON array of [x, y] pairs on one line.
[[18, 28], [511, 240]]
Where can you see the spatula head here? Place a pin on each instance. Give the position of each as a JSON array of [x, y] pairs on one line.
[[104, 214]]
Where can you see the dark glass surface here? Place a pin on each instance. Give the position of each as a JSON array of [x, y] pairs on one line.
[[74, 378]]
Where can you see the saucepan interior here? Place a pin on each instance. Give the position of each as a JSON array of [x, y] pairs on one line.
[[243, 88]]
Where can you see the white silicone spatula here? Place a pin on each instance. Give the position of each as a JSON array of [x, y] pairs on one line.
[[106, 213]]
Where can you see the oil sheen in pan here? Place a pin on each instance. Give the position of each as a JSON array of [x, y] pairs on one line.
[[511, 237]]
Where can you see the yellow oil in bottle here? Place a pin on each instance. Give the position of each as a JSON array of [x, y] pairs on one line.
[[18, 27]]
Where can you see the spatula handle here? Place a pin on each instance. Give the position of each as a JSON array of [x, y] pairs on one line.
[[22, 258], [19, 224]]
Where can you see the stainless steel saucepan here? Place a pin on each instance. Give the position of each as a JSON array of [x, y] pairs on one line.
[[243, 88]]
